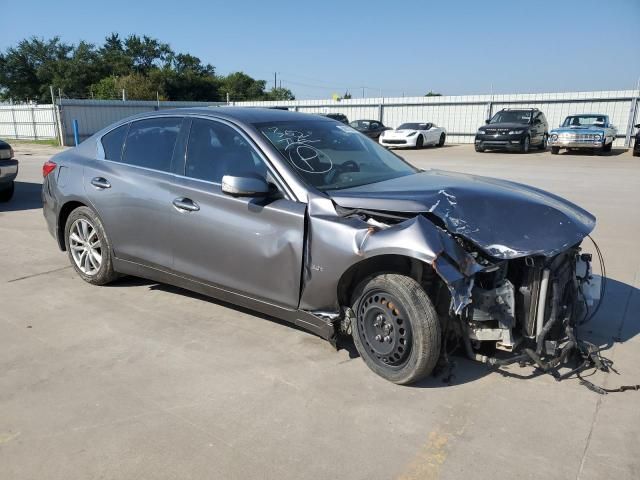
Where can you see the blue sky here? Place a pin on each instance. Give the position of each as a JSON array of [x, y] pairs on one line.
[[411, 47]]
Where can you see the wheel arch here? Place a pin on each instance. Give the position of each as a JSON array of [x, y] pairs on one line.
[[63, 215], [419, 270]]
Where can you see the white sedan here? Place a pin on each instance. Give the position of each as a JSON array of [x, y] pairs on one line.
[[414, 135]]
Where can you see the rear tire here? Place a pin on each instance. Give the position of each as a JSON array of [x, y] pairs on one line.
[[443, 137], [420, 142], [88, 247], [396, 329], [7, 193], [555, 150]]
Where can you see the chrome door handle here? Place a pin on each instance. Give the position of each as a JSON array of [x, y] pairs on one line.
[[100, 183], [185, 205]]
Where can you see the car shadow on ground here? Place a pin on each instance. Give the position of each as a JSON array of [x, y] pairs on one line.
[[587, 153], [613, 323], [27, 196]]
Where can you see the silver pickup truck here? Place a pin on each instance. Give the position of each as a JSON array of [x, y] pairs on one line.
[[583, 132]]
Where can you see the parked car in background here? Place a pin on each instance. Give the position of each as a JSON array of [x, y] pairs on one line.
[[514, 129], [371, 128], [8, 171], [583, 132], [300, 218], [414, 135], [340, 117], [636, 145]]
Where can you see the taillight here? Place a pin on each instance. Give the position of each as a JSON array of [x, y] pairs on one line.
[[48, 167]]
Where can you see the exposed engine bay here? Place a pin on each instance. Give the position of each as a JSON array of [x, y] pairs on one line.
[[519, 310]]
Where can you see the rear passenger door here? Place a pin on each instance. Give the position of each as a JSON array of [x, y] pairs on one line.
[[130, 185], [251, 246]]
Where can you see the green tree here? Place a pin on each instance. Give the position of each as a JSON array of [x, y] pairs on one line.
[[27, 70], [432, 94], [140, 64], [241, 86], [280, 94], [135, 85]]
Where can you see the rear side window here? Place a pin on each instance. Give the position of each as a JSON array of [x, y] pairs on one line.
[[150, 143], [112, 143]]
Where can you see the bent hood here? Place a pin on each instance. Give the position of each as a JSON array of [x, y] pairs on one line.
[[504, 219]]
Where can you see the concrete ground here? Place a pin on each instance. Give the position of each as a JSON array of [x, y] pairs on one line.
[[139, 380]]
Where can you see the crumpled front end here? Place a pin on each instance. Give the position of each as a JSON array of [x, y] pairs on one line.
[[525, 302]]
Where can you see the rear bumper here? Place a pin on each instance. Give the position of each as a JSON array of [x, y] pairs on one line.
[[8, 171]]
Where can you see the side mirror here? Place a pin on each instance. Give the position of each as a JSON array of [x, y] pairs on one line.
[[637, 126], [487, 121], [245, 186]]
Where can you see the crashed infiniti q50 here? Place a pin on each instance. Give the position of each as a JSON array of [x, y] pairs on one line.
[[305, 219]]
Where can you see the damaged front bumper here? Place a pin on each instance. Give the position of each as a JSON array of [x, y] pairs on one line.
[[525, 304]]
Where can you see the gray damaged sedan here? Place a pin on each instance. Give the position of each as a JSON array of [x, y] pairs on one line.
[[305, 219]]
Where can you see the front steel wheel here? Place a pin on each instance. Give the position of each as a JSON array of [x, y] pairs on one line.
[[88, 247], [396, 328]]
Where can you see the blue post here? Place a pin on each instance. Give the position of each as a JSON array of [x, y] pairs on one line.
[[76, 135]]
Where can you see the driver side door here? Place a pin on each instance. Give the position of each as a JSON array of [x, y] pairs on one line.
[[249, 246]]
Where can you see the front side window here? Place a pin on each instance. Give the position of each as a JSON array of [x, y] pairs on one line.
[[330, 156], [112, 143], [215, 150], [512, 116], [150, 143]]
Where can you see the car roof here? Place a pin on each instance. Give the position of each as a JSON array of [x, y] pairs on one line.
[[245, 115]]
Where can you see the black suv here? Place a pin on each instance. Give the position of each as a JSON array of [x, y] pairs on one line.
[[514, 129], [340, 117], [636, 145]]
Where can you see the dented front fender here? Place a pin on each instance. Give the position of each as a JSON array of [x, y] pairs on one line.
[[335, 243]]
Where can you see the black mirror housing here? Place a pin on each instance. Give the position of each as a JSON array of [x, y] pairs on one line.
[[245, 186]]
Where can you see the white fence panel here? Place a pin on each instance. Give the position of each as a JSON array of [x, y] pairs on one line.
[[29, 122]]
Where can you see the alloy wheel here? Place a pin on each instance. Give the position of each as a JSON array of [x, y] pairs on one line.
[[86, 247]]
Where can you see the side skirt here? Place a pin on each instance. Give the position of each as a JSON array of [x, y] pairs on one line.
[[321, 327]]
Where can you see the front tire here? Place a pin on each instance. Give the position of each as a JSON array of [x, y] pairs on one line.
[[442, 140], [420, 142], [555, 150], [607, 147], [88, 247], [526, 144], [543, 145], [396, 329], [479, 149], [7, 193]]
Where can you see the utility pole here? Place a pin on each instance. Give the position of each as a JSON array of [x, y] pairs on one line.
[[124, 96], [362, 92], [275, 80], [228, 100]]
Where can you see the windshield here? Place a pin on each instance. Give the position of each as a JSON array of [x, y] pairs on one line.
[[584, 121], [512, 116], [413, 126], [330, 156]]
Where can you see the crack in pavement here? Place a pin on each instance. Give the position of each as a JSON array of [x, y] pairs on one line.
[[38, 274]]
